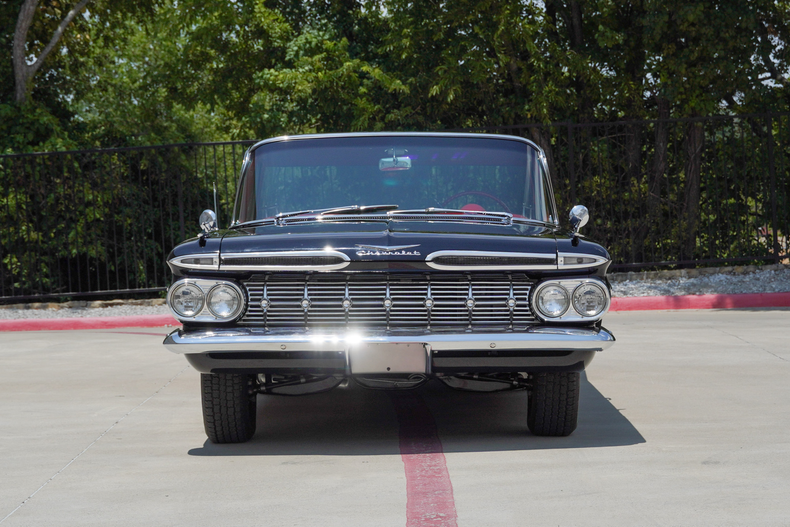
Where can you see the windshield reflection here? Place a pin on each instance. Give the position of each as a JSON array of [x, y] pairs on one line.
[[324, 175]]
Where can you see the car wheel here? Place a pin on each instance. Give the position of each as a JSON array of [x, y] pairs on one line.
[[228, 407], [553, 405]]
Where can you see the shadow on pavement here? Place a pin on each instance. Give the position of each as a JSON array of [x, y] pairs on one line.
[[359, 422]]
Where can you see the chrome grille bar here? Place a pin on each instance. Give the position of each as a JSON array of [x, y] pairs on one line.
[[490, 296]]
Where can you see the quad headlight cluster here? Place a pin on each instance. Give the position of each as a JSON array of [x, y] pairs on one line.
[[200, 300], [571, 300]]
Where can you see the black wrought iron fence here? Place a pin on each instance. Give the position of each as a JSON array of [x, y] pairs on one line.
[[661, 193], [679, 192], [97, 221]]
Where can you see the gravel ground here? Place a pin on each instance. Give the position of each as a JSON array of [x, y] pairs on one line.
[[774, 281], [766, 281], [114, 311]]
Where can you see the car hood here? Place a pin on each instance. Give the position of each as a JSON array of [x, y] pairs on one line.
[[391, 241]]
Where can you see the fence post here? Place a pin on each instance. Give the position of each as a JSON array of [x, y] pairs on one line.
[[181, 206], [772, 172], [571, 165]]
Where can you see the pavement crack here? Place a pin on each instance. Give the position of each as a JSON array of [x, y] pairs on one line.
[[75, 458], [753, 344]]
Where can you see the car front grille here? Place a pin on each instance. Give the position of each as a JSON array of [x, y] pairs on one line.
[[379, 300]]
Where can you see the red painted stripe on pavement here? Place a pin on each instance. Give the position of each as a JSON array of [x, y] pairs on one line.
[[49, 324], [645, 303], [429, 492]]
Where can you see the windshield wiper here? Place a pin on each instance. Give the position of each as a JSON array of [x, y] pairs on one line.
[[254, 223], [346, 209], [434, 210], [356, 209]]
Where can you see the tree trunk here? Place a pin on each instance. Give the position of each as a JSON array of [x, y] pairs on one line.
[[24, 72], [694, 142], [659, 160], [633, 173], [21, 75]]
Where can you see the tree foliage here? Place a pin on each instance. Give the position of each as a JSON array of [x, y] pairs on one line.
[[165, 70]]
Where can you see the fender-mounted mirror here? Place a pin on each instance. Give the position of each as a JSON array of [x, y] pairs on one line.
[[208, 221], [579, 217]]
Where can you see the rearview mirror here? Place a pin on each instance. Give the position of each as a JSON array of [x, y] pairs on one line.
[[388, 164]]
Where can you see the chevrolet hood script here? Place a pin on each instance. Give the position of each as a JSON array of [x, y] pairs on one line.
[[382, 250]]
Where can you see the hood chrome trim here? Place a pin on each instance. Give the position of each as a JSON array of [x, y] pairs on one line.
[[566, 260], [285, 255], [182, 261], [429, 260]]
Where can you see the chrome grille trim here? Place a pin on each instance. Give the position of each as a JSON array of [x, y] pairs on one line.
[[367, 293], [285, 261], [490, 260]]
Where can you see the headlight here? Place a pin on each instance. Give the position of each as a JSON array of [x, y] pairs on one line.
[[205, 300], [187, 300], [589, 299], [224, 301], [582, 300], [553, 301]]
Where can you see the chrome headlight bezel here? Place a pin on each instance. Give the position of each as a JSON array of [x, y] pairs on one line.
[[180, 287], [570, 285], [577, 291], [207, 286], [539, 301], [240, 298]]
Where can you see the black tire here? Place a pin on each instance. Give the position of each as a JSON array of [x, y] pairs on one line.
[[553, 406], [228, 407]]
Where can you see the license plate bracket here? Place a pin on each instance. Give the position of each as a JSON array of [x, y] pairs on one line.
[[389, 357]]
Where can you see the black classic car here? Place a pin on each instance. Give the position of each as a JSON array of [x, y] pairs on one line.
[[390, 260]]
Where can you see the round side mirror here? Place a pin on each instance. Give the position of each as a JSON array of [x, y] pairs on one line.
[[208, 220], [579, 217]]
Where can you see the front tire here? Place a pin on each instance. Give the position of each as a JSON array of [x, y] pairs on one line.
[[229, 409], [553, 405]]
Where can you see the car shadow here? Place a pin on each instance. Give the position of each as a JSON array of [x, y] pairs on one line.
[[359, 422]]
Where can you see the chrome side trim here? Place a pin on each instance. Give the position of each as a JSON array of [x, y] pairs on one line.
[[285, 254], [253, 339], [179, 261], [490, 254], [568, 260]]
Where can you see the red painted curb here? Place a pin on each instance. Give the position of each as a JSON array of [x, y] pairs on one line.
[[633, 303], [49, 324], [648, 303]]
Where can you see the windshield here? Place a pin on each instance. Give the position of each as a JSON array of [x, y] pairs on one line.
[[412, 172]]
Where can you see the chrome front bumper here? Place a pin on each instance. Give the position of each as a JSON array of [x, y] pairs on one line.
[[253, 350]]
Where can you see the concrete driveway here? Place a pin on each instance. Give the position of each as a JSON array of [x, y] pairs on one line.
[[685, 421]]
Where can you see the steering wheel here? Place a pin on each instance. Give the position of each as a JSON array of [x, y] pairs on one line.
[[477, 193]]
